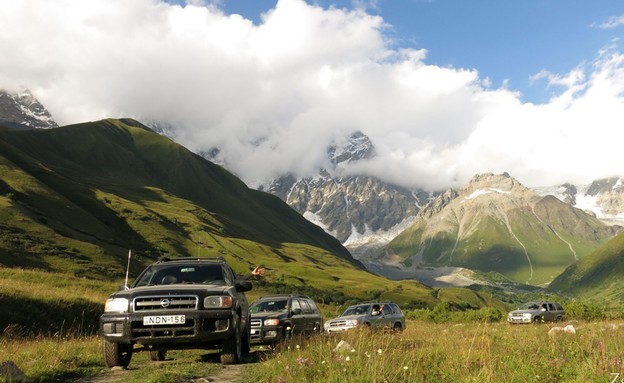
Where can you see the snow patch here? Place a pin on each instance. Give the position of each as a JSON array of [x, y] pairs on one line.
[[480, 192]]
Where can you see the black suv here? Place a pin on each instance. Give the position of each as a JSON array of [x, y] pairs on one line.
[[180, 303], [278, 317]]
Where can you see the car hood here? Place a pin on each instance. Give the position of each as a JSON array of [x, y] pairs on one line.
[[175, 289], [524, 312], [268, 315], [348, 317]]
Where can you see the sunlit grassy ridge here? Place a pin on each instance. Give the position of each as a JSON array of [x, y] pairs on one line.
[[528, 241], [597, 276]]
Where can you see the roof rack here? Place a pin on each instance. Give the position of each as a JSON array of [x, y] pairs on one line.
[[183, 259], [284, 296]]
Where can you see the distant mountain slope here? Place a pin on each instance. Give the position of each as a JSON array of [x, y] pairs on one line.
[[603, 198], [496, 224], [363, 212], [23, 111], [599, 275], [76, 197]]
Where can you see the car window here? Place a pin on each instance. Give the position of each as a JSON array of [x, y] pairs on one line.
[[387, 310], [356, 310], [305, 307], [182, 273], [313, 307], [295, 304], [273, 305], [395, 308], [551, 307]]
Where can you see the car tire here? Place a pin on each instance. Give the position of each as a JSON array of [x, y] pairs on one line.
[[116, 354], [231, 349], [158, 356], [397, 327], [537, 319]]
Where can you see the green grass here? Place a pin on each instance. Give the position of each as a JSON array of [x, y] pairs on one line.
[[472, 352]]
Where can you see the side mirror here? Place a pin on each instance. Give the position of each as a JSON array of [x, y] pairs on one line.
[[296, 312], [242, 286]]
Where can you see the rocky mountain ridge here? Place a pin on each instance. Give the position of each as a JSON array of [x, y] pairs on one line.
[[21, 110], [363, 212]]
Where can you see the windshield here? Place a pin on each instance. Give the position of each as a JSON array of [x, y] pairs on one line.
[[356, 310], [276, 305], [530, 306], [178, 273]]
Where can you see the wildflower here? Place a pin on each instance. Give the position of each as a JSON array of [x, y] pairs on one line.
[[323, 362], [348, 358], [279, 379], [300, 360], [352, 350], [298, 347], [405, 368], [367, 354], [379, 351]]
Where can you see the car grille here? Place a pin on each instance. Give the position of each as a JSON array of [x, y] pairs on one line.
[[177, 302], [255, 322], [339, 323]]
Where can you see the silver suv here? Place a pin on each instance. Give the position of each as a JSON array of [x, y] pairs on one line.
[[374, 315], [535, 312]]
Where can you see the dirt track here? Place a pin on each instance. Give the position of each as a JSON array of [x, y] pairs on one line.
[[223, 374]]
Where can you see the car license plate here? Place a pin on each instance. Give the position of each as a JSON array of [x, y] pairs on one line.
[[164, 320]]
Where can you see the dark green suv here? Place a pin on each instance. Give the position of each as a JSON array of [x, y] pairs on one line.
[[182, 303], [276, 317]]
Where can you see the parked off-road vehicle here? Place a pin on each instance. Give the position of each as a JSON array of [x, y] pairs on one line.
[[373, 315], [536, 312], [181, 303], [278, 317]]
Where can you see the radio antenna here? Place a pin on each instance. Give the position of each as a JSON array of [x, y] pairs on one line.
[[128, 269]]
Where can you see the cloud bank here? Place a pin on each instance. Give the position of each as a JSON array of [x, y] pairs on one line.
[[273, 96]]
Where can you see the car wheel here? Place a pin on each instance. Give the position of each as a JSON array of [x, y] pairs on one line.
[[158, 356], [116, 354], [397, 327], [231, 349], [537, 319]]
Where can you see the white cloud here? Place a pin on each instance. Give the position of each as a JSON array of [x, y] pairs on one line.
[[273, 96], [613, 22]]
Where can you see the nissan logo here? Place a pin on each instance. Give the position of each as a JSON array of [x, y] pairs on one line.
[[165, 303]]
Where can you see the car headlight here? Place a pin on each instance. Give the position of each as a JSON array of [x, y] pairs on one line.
[[271, 322], [116, 305], [218, 302], [352, 322]]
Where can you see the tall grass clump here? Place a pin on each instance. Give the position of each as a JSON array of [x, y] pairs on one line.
[[472, 352]]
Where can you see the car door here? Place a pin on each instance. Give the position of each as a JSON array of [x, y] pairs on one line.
[[297, 317], [308, 318]]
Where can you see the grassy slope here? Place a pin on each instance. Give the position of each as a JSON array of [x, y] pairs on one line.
[[597, 276], [552, 235], [75, 199]]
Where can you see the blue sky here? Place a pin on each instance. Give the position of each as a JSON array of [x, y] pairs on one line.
[[506, 41], [444, 89]]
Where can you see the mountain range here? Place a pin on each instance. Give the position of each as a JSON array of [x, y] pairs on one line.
[[491, 224]]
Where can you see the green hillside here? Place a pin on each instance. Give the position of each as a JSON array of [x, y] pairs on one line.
[[75, 199], [597, 276], [514, 232]]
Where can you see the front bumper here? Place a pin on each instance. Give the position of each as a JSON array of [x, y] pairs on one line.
[[200, 326], [260, 334], [519, 319], [338, 328]]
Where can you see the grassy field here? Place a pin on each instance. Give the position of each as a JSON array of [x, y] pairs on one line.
[[474, 352], [424, 352]]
